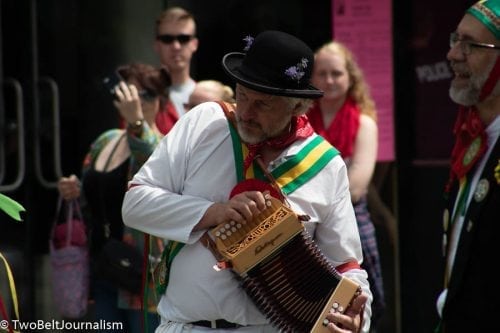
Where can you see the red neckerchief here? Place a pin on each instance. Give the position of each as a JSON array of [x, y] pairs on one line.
[[468, 127], [166, 118], [300, 129], [341, 133], [492, 80]]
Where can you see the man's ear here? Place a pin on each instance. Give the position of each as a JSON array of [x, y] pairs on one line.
[[297, 109], [194, 43], [300, 108]]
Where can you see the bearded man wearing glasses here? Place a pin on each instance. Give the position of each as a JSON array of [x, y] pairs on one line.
[[175, 43], [469, 300]]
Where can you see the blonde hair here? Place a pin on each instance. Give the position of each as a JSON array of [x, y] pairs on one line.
[[175, 14], [223, 91], [358, 90]]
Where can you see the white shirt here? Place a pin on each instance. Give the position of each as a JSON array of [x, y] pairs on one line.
[[179, 95], [193, 167]]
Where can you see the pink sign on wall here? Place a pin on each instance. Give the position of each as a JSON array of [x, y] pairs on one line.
[[365, 27]]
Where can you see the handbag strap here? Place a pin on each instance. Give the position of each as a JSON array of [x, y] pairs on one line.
[[69, 222], [77, 210], [73, 204]]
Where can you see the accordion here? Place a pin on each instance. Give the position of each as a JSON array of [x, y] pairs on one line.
[[282, 269]]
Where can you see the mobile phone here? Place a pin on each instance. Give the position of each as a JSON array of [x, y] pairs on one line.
[[112, 81]]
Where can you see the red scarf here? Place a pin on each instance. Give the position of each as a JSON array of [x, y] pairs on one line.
[[300, 129], [342, 131], [166, 118], [468, 127]]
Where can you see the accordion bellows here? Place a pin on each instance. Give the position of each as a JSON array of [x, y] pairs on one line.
[[283, 271]]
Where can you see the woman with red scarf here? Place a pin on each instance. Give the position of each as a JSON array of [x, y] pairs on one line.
[[345, 116]]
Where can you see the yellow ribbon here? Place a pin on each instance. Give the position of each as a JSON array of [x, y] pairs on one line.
[[12, 286]]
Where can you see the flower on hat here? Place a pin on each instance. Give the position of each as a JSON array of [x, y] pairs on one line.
[[297, 72], [249, 40], [497, 172]]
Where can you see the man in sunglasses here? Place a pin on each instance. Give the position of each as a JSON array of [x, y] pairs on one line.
[[469, 301], [175, 44]]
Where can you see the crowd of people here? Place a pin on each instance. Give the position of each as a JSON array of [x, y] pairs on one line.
[[189, 153]]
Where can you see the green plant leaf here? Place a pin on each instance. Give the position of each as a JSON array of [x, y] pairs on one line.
[[11, 207]]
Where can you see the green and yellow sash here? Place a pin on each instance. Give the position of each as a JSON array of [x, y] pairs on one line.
[[293, 173], [289, 176]]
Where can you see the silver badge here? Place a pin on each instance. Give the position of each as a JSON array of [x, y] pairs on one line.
[[446, 219], [481, 190], [444, 244], [472, 151], [470, 225]]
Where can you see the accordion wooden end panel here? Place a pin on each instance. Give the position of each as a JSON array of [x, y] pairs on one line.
[[296, 287], [246, 245], [339, 301]]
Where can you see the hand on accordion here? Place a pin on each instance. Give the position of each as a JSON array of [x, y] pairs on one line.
[[241, 208], [351, 320]]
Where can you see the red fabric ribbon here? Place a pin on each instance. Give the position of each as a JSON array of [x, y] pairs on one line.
[[166, 118], [300, 129], [341, 133], [491, 82], [3, 312], [468, 127], [255, 185], [347, 266]]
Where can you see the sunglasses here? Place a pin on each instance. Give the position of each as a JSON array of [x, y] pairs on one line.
[[147, 95], [169, 39]]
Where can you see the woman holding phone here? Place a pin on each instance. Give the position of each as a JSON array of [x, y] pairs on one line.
[[112, 160]]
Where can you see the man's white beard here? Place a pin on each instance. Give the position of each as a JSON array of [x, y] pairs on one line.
[[464, 96], [468, 96]]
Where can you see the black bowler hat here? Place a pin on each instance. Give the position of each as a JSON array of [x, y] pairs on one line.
[[276, 63]]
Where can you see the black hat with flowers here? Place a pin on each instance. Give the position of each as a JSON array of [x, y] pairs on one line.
[[275, 63]]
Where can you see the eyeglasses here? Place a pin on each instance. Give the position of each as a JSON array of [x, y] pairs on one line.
[[169, 39], [147, 95], [466, 45]]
